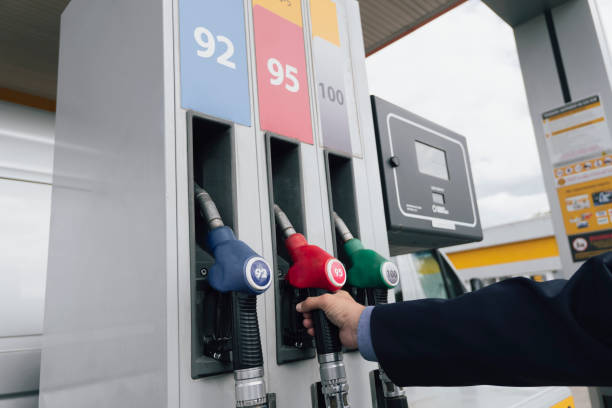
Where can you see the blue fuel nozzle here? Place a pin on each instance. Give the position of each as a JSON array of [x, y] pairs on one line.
[[237, 267]]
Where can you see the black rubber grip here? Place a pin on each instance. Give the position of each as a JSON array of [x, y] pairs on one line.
[[396, 402], [380, 296], [327, 338], [246, 343]]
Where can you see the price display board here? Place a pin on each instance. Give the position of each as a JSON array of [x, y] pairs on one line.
[[331, 58], [282, 79], [213, 55]]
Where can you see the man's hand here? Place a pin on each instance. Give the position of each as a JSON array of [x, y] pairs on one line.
[[340, 309]]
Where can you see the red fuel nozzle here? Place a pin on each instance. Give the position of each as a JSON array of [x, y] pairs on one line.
[[317, 271], [313, 267]]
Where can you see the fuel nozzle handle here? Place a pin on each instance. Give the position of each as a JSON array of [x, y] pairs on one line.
[[318, 272], [240, 270], [376, 274], [237, 268], [312, 267], [369, 269]]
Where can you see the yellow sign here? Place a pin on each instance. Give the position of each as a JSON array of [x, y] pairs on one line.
[[324, 17], [566, 403], [505, 253], [585, 195], [288, 9]]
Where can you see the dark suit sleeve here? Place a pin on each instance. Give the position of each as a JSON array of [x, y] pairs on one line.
[[514, 333]]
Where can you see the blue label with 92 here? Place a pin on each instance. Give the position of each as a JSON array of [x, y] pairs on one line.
[[260, 273], [213, 54]]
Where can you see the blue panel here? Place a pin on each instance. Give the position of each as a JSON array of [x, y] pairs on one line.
[[214, 80]]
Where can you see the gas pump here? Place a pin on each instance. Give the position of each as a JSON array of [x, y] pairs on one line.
[[371, 271], [243, 273], [318, 272]]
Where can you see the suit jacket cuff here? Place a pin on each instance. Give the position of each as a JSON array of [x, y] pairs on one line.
[[364, 336]]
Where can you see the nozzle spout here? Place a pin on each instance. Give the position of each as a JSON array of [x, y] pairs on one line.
[[342, 229], [208, 209], [282, 222]]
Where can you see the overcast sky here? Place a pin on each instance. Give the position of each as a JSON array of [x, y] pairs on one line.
[[462, 72]]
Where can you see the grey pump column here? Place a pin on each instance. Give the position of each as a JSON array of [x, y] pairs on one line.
[[564, 59]]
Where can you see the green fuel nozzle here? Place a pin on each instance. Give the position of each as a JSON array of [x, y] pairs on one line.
[[369, 269], [372, 271]]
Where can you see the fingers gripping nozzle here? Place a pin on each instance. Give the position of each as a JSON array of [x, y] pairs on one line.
[[237, 268], [369, 269], [312, 267]]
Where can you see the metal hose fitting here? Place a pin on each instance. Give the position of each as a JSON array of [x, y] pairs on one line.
[[390, 390], [250, 388], [208, 209], [342, 229], [283, 223], [333, 380]]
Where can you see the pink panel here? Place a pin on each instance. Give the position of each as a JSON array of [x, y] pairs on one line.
[[283, 108]]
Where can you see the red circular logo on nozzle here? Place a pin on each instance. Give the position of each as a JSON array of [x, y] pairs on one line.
[[336, 274]]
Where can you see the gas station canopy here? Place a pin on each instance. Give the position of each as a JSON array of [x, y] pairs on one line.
[[385, 21], [519, 11], [29, 40]]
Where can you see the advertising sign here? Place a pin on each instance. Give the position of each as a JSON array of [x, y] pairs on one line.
[[576, 131], [331, 68], [579, 145], [282, 78], [213, 57], [585, 194]]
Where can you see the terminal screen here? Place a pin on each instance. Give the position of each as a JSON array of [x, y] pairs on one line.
[[431, 161]]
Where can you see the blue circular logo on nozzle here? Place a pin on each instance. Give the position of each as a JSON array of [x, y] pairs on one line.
[[258, 274]]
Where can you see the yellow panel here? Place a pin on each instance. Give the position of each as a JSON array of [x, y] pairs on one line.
[[566, 403], [287, 9], [507, 253], [324, 17]]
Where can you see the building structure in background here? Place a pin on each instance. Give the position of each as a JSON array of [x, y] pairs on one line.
[[524, 248], [26, 173]]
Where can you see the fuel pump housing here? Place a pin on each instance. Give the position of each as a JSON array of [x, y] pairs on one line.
[[428, 191]]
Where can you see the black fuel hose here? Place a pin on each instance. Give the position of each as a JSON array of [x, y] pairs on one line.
[[246, 341]]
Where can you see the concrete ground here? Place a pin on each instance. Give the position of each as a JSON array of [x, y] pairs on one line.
[[581, 397]]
